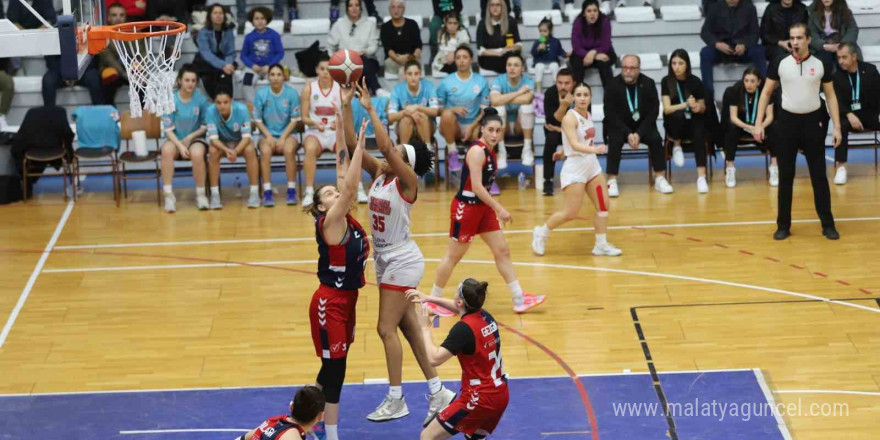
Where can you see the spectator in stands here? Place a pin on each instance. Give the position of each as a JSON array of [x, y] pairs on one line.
[[730, 32], [402, 39], [52, 81], [631, 107], [546, 52], [443, 8], [778, 18], [557, 4], [113, 73], [7, 85], [557, 101], [167, 10], [513, 96], [413, 106], [739, 110], [262, 48], [229, 132], [591, 43], [606, 9], [185, 133], [216, 58], [449, 38], [43, 128], [24, 19], [276, 114], [684, 106], [497, 35], [857, 85], [831, 24], [135, 10], [278, 5], [356, 32], [369, 4], [460, 97]]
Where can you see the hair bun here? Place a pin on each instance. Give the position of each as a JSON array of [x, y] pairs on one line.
[[490, 111]]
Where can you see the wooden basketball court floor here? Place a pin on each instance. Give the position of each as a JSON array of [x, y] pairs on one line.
[[99, 298]]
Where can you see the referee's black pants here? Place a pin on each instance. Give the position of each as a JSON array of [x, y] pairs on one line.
[[870, 122], [804, 131]]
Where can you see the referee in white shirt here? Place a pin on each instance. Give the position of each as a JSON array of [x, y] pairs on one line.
[[801, 76]]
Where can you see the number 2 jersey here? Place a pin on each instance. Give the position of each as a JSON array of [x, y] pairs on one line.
[[389, 214], [476, 342], [341, 266]]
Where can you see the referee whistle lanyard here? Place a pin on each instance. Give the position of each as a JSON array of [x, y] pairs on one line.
[[633, 103], [687, 110], [752, 115]]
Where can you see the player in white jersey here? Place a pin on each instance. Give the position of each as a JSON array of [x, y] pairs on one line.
[[581, 173], [319, 100], [399, 262]]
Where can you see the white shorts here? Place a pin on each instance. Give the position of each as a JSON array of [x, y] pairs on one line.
[[326, 138], [579, 169], [400, 269]]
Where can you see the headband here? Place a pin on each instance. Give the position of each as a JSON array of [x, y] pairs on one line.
[[461, 295], [410, 154]]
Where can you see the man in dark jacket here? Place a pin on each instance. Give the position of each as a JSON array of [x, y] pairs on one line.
[[557, 101], [43, 128], [731, 34], [631, 109], [857, 86], [778, 18]]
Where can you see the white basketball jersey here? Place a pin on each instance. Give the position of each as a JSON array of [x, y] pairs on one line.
[[585, 131], [389, 215], [321, 104]]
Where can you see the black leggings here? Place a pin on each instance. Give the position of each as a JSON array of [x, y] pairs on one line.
[[604, 67], [616, 141], [678, 127], [495, 64], [733, 134]]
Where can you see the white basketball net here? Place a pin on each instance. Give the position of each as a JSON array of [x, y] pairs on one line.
[[149, 63]]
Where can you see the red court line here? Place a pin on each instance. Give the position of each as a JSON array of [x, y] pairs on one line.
[[842, 282], [591, 415], [865, 291], [695, 239], [746, 252], [820, 274], [588, 406], [773, 259]]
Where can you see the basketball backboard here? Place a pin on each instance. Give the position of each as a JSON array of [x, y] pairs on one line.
[[67, 37]]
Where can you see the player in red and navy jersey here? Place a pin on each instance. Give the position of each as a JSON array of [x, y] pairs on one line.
[[306, 409], [475, 212], [343, 249], [476, 341]]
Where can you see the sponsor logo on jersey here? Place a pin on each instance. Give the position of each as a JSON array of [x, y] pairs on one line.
[[474, 401], [812, 71], [379, 205], [489, 329], [285, 102], [476, 89], [339, 346], [454, 89], [235, 126], [196, 111]]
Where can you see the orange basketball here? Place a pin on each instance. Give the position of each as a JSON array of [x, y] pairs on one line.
[[346, 67]]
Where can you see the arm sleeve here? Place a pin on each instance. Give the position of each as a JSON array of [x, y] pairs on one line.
[[385, 38], [664, 86], [696, 88], [534, 51], [828, 68], [578, 49], [213, 133], [515, 30], [228, 46], [484, 94], [613, 110], [247, 50], [649, 109], [708, 26], [605, 42], [295, 109], [481, 33], [416, 34], [556, 49], [333, 37], [204, 40], [460, 339], [257, 114], [277, 53]]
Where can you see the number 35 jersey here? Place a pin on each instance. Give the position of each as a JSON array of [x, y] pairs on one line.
[[389, 214]]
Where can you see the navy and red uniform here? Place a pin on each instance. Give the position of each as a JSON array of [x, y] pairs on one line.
[[469, 216], [275, 427], [484, 395], [341, 273]]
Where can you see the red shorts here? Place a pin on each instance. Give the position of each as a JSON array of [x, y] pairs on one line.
[[332, 314], [474, 412], [469, 220]]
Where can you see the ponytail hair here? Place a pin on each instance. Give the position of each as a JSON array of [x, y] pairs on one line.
[[473, 294]]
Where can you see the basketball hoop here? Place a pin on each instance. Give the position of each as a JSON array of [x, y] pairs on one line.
[[148, 50]]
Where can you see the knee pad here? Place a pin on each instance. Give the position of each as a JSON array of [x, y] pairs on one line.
[[527, 116], [331, 377]]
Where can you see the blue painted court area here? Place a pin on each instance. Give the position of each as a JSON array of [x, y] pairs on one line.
[[540, 408]]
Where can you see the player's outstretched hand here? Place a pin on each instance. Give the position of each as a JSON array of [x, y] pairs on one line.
[[416, 296]]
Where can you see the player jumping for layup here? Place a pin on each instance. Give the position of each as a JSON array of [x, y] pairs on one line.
[[476, 341]]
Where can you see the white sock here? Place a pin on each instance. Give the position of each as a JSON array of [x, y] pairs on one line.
[[254, 189], [215, 191], [501, 148], [332, 432], [516, 292], [167, 189], [545, 229], [310, 189], [436, 290], [200, 191], [267, 187], [361, 187], [396, 392], [434, 385], [601, 239], [291, 185], [527, 144]]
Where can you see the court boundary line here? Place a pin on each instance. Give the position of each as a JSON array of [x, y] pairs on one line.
[[38, 268], [853, 393], [181, 431], [446, 233], [258, 387], [768, 396]]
